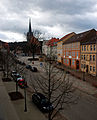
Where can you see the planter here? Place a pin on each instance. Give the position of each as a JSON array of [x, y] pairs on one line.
[[6, 79]]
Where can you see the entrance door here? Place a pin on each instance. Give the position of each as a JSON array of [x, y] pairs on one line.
[[77, 64], [70, 62], [86, 68]]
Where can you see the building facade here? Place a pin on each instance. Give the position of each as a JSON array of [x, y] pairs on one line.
[[72, 48], [89, 56], [52, 48], [44, 47], [71, 55], [60, 46]]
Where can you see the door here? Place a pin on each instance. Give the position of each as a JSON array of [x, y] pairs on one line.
[[70, 62], [86, 68], [77, 64]]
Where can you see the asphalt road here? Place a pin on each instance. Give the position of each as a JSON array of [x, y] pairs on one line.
[[86, 107]]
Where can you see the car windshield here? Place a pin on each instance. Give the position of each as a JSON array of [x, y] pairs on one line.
[[44, 101], [14, 72]]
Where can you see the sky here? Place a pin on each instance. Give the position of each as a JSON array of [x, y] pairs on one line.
[[54, 18]]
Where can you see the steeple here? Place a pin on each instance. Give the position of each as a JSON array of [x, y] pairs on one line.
[[30, 30], [29, 33]]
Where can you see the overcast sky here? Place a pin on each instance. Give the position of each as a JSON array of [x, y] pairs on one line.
[[55, 18]]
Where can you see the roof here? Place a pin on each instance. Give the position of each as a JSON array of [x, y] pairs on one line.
[[81, 37], [90, 41], [65, 36], [52, 42]]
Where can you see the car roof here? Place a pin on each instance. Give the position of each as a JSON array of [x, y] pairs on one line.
[[40, 95]]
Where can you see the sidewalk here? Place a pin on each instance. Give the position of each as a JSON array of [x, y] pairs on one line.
[[7, 111], [83, 85], [33, 113]]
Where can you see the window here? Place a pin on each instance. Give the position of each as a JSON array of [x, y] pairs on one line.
[[85, 48], [90, 68], [90, 47], [72, 62], [93, 69], [90, 57], [74, 54], [93, 57], [66, 53], [67, 61], [64, 60], [82, 47], [87, 57], [81, 65], [94, 47], [77, 53], [84, 66], [84, 57]]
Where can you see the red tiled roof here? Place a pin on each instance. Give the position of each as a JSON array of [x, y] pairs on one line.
[[52, 42]]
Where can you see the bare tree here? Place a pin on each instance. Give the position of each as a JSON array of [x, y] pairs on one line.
[[56, 86]]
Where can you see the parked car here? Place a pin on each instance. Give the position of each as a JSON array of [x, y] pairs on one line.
[[16, 76], [33, 69], [28, 66], [13, 73], [22, 63], [42, 102], [22, 83]]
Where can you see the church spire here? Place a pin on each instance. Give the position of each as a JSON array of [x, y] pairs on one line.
[[30, 30]]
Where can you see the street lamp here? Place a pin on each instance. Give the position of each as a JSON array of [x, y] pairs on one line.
[[25, 109]]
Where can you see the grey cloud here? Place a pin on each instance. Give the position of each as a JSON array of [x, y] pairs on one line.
[[14, 15]]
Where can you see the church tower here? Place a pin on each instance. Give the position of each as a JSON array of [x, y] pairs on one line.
[[29, 33]]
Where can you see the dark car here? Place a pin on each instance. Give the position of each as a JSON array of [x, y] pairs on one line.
[[13, 73], [22, 83], [33, 69], [16, 76], [42, 102], [28, 66]]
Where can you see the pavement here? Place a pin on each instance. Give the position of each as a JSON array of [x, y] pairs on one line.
[[7, 111], [14, 110]]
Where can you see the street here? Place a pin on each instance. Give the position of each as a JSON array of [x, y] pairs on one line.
[[86, 107]]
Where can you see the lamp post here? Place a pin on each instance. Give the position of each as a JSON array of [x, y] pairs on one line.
[[25, 109]]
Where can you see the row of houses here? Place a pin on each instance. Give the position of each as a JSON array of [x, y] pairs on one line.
[[77, 51]]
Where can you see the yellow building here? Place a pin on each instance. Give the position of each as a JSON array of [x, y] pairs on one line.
[[89, 56], [60, 44]]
